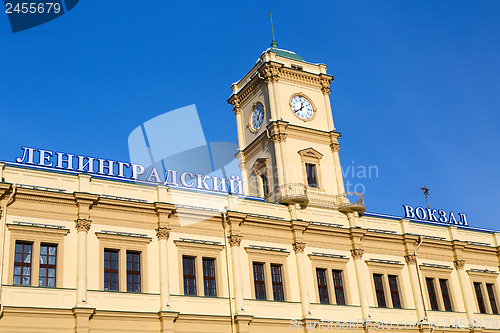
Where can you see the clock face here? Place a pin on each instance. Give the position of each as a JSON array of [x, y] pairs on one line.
[[301, 107], [257, 117]]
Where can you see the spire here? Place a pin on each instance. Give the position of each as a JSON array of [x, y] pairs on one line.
[[273, 44]]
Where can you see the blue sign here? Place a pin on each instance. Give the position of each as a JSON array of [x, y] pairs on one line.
[[434, 215]]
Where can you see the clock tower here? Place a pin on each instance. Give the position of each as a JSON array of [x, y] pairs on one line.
[[288, 145]]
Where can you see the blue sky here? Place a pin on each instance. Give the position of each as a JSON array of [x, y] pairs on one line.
[[415, 91]]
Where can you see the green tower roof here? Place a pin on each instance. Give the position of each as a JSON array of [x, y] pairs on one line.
[[286, 54]]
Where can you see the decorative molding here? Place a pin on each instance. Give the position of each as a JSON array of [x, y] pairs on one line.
[[279, 137], [459, 264], [299, 247], [270, 72], [234, 240], [162, 232], [411, 259], [302, 78], [335, 147], [83, 224], [36, 229], [325, 84], [122, 238], [123, 208], [311, 153], [357, 253]]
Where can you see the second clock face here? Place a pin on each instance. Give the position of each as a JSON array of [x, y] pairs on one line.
[[301, 107], [257, 117]]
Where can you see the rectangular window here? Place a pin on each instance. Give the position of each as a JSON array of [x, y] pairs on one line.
[[259, 281], [431, 289], [322, 286], [379, 290], [265, 185], [312, 179], [393, 287], [491, 296], [443, 284], [111, 269], [133, 271], [209, 277], [277, 281], [479, 297], [189, 275], [48, 257], [22, 263], [338, 286]]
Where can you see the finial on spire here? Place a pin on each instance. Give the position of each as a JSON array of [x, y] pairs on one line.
[[273, 44]]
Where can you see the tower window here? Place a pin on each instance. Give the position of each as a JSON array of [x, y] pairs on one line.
[[312, 178], [265, 184]]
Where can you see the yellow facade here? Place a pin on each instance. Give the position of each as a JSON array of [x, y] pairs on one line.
[[298, 234]]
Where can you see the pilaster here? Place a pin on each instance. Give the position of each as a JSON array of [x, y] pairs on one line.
[[163, 213], [82, 317], [167, 320]]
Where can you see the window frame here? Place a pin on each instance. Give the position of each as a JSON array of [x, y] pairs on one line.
[[386, 269], [111, 270], [485, 278], [438, 273], [322, 286], [124, 243], [208, 278], [259, 282], [330, 263], [277, 284], [188, 248], [260, 168], [268, 257], [22, 264], [37, 235], [48, 266], [134, 272], [311, 156]]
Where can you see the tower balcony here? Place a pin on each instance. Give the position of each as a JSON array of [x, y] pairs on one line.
[[298, 193], [289, 194]]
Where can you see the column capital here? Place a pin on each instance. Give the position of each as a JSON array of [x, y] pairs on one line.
[[325, 81], [357, 253], [162, 232], [335, 147], [83, 224], [411, 259], [299, 247], [234, 240], [270, 73], [459, 264], [279, 137]]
